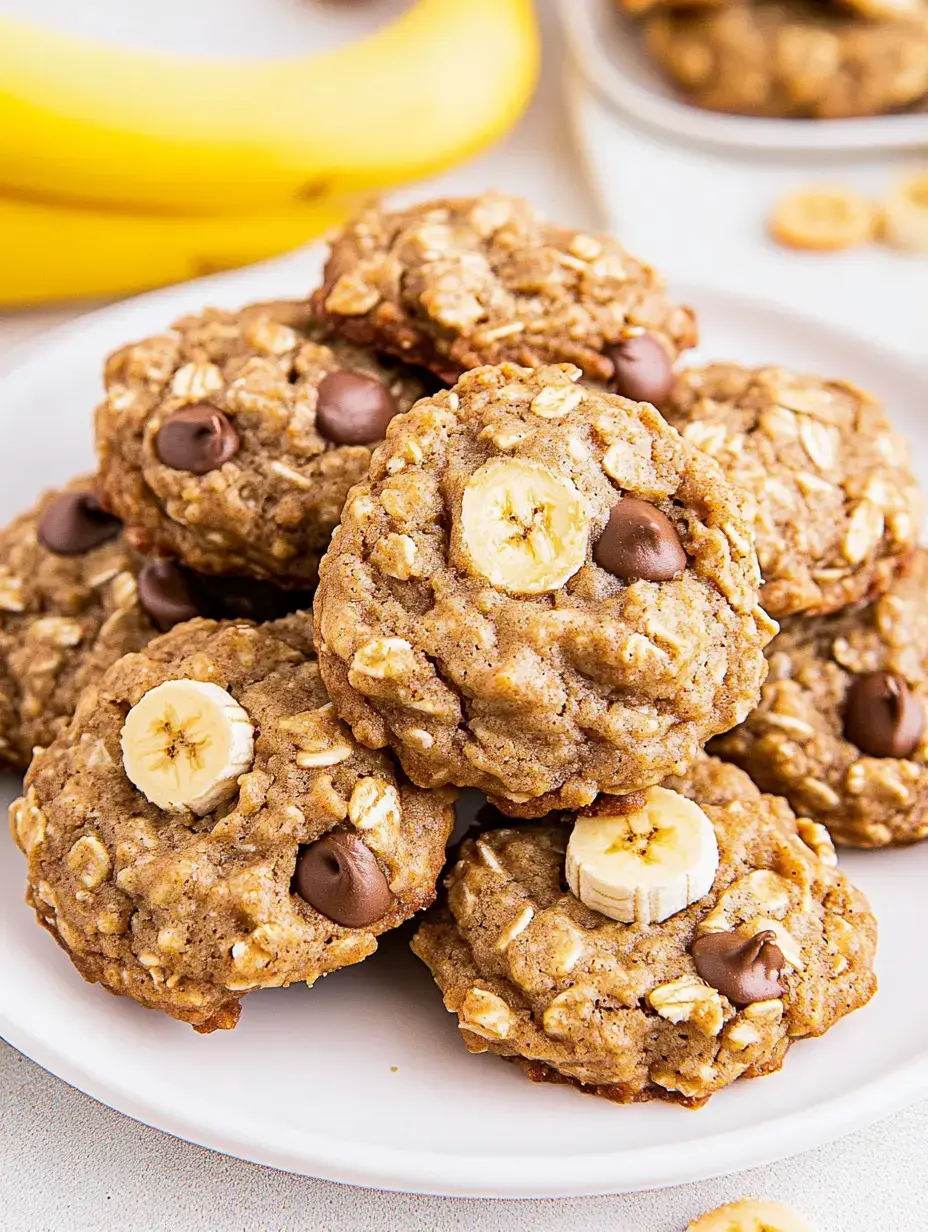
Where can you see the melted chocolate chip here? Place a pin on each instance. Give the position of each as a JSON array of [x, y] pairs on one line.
[[881, 717], [353, 409], [74, 523], [340, 877], [197, 439], [640, 542], [166, 594], [743, 969], [642, 369]]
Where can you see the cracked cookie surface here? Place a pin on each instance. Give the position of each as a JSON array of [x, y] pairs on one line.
[[837, 508], [620, 1010], [792, 59], [458, 283], [231, 440], [186, 913], [483, 608], [829, 736]]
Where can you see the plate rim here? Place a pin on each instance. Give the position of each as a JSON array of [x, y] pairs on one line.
[[681, 120], [617, 1171]]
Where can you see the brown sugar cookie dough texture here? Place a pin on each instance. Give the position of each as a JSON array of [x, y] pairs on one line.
[[793, 58], [455, 284], [542, 591], [837, 508], [206, 826], [840, 730], [69, 607], [231, 440], [684, 986]]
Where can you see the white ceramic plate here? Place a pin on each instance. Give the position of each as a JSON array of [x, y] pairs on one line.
[[607, 46], [364, 1079]]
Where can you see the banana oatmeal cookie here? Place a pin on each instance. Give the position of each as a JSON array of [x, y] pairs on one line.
[[542, 591], [840, 729], [206, 826], [778, 948], [792, 58], [231, 441], [455, 284], [838, 509]]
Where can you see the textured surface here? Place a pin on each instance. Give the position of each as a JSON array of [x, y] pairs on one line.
[[269, 510], [187, 914], [472, 281], [532, 973], [837, 507], [794, 742], [63, 619], [598, 684], [792, 59]]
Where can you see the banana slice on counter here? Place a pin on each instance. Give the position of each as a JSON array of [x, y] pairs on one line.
[[823, 219], [184, 745], [750, 1215], [523, 528], [905, 213], [643, 866]]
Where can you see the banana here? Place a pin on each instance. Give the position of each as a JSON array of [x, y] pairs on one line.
[[905, 213], [90, 122], [54, 253], [184, 745], [750, 1215], [643, 866], [823, 219], [523, 528]]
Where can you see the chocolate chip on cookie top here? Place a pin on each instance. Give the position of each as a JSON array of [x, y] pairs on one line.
[[840, 728], [837, 508], [631, 1005], [230, 441], [206, 825], [454, 284], [69, 607], [542, 591]]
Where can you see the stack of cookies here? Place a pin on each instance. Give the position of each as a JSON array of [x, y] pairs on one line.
[[808, 58], [463, 519]]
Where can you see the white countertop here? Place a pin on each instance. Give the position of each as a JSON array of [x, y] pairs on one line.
[[68, 1163]]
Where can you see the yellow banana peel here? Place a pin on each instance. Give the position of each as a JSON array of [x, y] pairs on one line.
[[52, 253], [87, 122]]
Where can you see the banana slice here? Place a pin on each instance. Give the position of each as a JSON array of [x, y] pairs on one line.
[[524, 529], [905, 214], [643, 866], [823, 219], [184, 745], [750, 1215]]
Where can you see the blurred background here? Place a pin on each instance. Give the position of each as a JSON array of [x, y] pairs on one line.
[[771, 146]]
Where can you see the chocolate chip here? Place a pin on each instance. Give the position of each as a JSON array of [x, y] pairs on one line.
[[197, 439], [75, 523], [640, 542], [340, 877], [743, 969], [165, 593], [881, 717], [353, 409], [642, 369]]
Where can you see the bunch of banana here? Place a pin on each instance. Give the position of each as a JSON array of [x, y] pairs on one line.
[[122, 169]]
